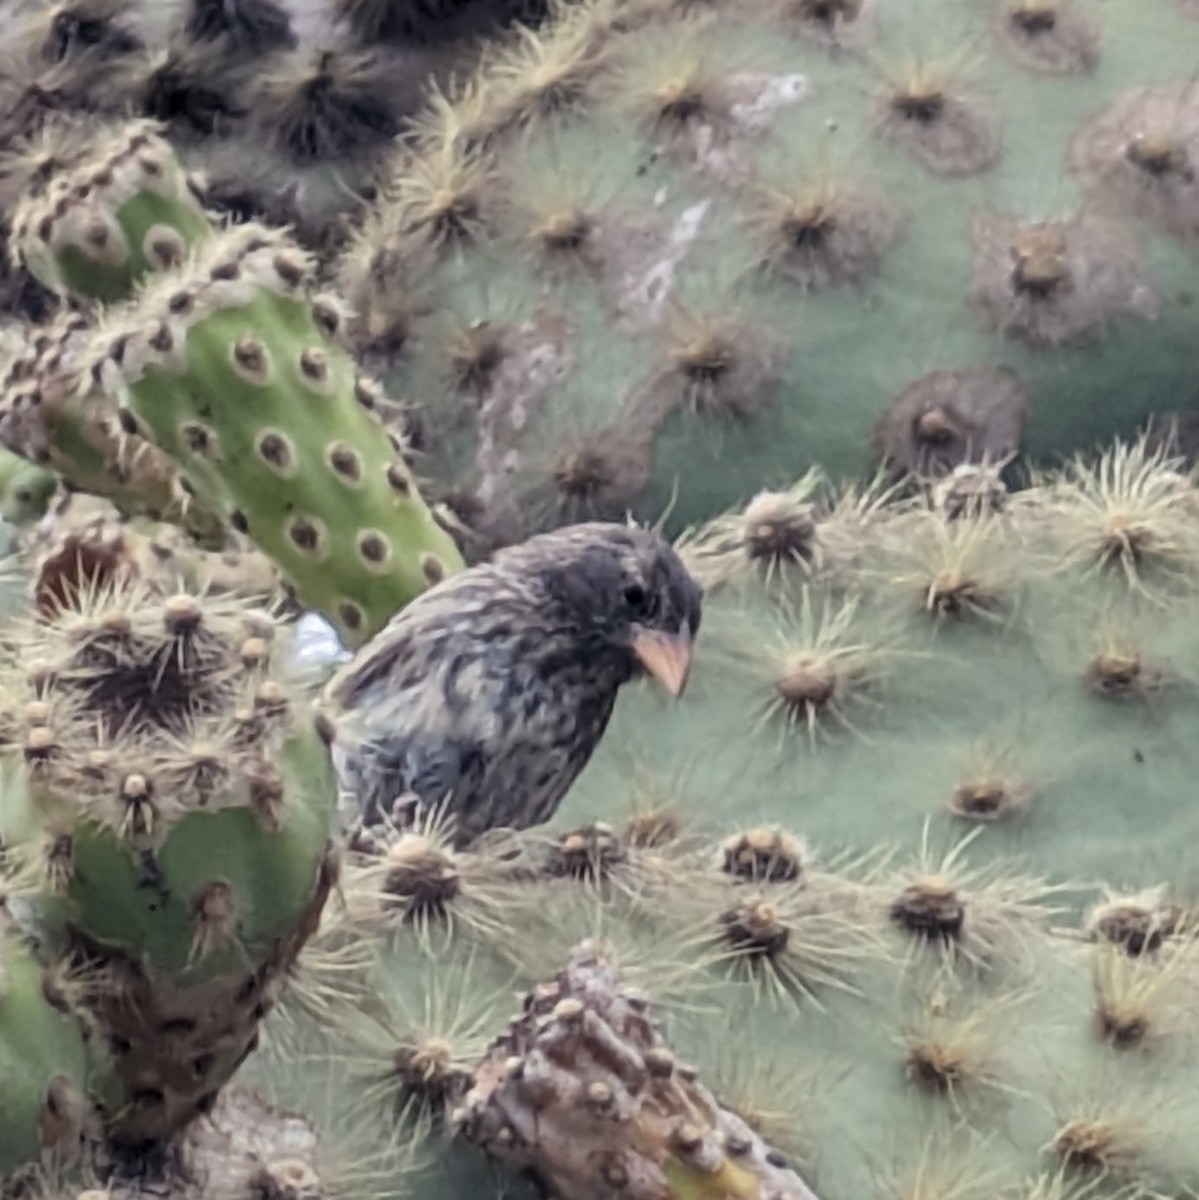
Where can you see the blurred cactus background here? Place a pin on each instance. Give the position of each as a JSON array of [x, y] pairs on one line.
[[884, 312]]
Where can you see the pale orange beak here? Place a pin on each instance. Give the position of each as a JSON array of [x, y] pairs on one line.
[[666, 656]]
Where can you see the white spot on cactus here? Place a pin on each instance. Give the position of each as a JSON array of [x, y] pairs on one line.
[[648, 293], [316, 643], [773, 92], [538, 357], [1145, 302]]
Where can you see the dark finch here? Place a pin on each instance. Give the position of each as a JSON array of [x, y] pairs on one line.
[[487, 695]]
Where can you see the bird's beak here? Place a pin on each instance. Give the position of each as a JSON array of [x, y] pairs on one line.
[[666, 656]]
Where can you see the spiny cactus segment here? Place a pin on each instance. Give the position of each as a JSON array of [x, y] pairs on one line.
[[53, 415], [84, 545], [167, 800], [282, 106], [45, 1104], [643, 259], [232, 367], [1006, 662], [126, 210], [786, 991], [219, 392]]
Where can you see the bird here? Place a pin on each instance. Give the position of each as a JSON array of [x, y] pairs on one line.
[[485, 697]]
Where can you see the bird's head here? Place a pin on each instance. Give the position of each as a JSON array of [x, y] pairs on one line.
[[626, 594]]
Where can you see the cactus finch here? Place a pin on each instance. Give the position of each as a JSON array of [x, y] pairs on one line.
[[487, 695]]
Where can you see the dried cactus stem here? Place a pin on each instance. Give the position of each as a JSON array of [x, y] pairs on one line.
[[584, 1092]]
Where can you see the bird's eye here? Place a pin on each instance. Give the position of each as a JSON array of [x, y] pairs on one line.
[[635, 597]]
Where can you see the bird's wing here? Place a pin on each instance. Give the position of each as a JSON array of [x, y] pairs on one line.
[[440, 769], [391, 646], [438, 624], [436, 769]]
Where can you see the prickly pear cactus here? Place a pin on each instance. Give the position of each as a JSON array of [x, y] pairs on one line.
[[127, 209], [148, 409], [167, 802], [284, 106], [888, 906], [231, 367], [870, 664], [95, 216], [44, 1098], [83, 544], [755, 1019], [25, 489], [53, 417], [656, 258]]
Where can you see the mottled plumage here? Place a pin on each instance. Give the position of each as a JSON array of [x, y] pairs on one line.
[[489, 693]]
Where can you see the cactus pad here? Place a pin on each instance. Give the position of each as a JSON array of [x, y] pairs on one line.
[[85, 545], [232, 368], [169, 802], [660, 259], [126, 210], [872, 663], [44, 1111], [51, 414]]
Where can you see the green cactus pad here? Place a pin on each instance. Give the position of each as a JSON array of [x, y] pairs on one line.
[[43, 1065], [100, 226], [904, 873], [25, 489], [657, 259], [232, 368], [53, 415], [868, 664], [170, 805], [886, 1027]]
